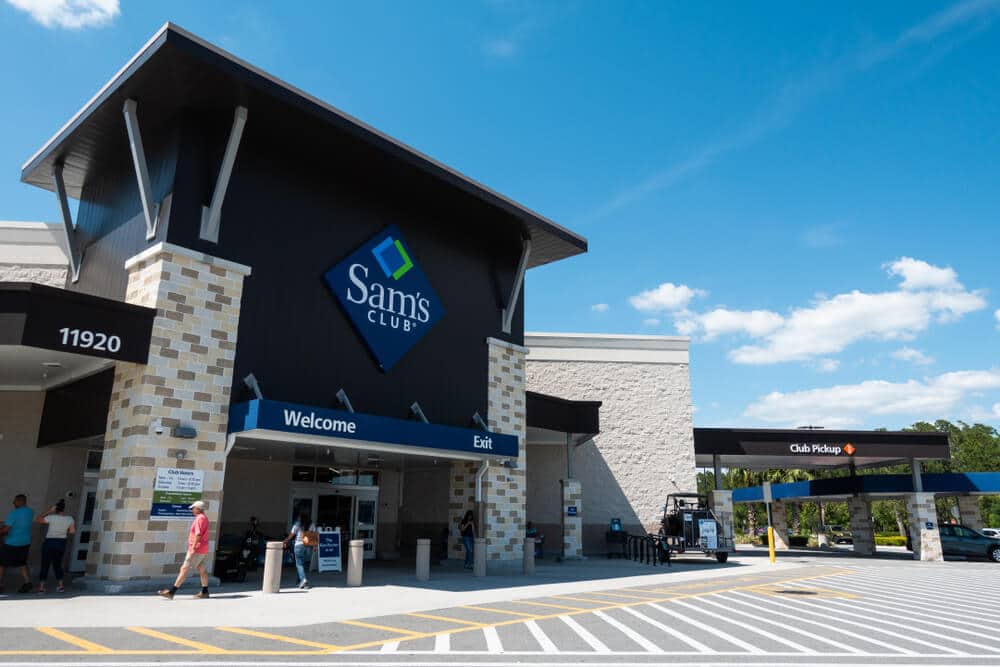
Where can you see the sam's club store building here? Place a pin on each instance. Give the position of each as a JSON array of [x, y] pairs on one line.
[[268, 305]]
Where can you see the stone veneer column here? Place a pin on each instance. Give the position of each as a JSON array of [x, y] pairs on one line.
[[862, 528], [187, 380], [969, 513], [779, 521], [721, 503], [926, 542], [572, 496], [502, 511]]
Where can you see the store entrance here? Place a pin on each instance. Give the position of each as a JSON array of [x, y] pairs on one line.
[[353, 510]]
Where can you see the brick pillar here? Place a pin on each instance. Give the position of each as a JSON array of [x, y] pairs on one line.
[[968, 512], [187, 380], [926, 542], [779, 521], [862, 528], [721, 503], [572, 496]]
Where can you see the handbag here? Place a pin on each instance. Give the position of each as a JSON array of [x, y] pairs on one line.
[[310, 538]]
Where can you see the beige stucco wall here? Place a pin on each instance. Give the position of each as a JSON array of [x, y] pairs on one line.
[[646, 446], [33, 252]]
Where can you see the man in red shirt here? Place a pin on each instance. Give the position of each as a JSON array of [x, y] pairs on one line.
[[197, 553]]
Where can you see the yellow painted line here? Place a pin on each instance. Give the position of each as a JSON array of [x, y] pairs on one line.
[[447, 619], [156, 634], [279, 638], [498, 611], [375, 626], [88, 646], [624, 597], [549, 604], [592, 601]]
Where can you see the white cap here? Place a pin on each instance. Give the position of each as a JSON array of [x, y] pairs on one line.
[[200, 504]]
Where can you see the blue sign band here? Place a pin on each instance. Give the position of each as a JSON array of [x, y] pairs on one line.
[[310, 420]]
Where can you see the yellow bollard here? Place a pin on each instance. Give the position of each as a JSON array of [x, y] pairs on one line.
[[770, 543]]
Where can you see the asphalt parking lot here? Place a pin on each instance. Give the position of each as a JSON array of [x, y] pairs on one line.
[[849, 612]]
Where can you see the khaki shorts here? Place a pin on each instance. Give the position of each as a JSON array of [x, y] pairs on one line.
[[193, 561]]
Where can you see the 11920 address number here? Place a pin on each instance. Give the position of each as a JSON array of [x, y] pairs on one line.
[[90, 340]]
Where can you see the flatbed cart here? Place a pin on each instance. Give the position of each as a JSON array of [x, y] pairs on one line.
[[689, 524]]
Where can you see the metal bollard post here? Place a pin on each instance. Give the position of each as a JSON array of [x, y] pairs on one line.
[[529, 555], [355, 562], [272, 567], [423, 559], [479, 558]]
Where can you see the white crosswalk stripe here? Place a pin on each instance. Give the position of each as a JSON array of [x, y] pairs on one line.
[[629, 632], [390, 647], [540, 637], [585, 635], [725, 636], [493, 644], [442, 643], [673, 632], [746, 626]]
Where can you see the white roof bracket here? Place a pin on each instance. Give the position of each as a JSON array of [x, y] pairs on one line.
[[211, 214], [69, 227], [515, 289], [150, 209]]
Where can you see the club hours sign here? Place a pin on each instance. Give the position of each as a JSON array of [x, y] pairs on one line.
[[174, 491]]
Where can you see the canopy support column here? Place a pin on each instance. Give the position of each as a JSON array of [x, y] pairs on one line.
[[515, 290], [69, 227], [211, 214], [150, 209]]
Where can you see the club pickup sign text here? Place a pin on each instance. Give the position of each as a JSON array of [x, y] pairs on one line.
[[815, 448]]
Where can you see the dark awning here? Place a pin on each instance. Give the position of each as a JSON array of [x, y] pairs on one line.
[[55, 319], [580, 418], [178, 71], [818, 448]]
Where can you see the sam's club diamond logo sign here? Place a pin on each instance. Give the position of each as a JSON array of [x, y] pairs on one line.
[[386, 296]]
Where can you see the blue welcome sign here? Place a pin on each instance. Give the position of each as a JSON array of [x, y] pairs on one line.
[[386, 296]]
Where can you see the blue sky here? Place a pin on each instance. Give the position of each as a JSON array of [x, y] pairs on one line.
[[810, 194]]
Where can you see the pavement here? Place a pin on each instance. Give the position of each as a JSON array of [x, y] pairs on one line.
[[805, 610]]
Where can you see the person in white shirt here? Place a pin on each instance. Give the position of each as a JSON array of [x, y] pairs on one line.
[[60, 527], [303, 552]]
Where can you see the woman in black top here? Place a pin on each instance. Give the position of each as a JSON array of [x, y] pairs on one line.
[[468, 528]]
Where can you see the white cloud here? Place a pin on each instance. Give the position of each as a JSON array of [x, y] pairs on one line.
[[927, 293], [500, 48], [651, 322], [70, 14], [913, 355], [852, 405], [996, 316], [828, 365], [666, 297], [714, 323], [918, 274], [821, 236], [600, 307]]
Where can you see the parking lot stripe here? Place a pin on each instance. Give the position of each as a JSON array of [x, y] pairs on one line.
[[746, 626], [783, 626], [89, 646], [447, 619], [921, 590], [386, 628], [442, 643], [629, 632], [549, 604], [389, 647], [156, 634], [499, 611], [725, 636], [874, 628], [543, 640], [493, 643], [577, 598], [898, 601], [693, 643], [822, 618], [278, 638], [895, 618], [625, 597], [585, 635]]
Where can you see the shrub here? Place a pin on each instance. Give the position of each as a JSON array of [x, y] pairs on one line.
[[890, 541], [798, 540]]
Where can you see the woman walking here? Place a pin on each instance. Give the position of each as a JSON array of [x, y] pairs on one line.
[[303, 552], [60, 527], [468, 530]]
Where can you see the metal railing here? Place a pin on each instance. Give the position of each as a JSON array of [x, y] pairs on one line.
[[650, 549]]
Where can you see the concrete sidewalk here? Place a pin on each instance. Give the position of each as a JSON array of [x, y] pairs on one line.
[[387, 590]]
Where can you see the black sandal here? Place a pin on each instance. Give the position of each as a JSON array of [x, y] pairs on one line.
[[25, 587]]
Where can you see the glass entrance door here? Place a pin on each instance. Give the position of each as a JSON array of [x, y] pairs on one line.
[[366, 524], [84, 526], [334, 511]]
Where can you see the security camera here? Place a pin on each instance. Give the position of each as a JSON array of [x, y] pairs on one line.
[[157, 427], [71, 494]]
